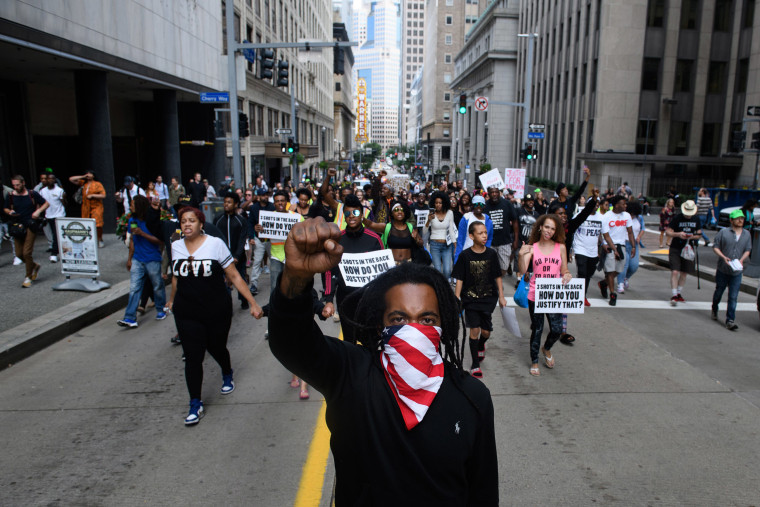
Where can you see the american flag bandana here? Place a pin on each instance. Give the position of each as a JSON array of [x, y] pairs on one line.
[[413, 368]]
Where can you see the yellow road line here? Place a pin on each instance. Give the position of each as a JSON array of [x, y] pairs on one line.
[[313, 473]]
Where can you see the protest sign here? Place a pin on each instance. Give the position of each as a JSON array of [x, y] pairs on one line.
[[360, 269], [276, 225], [492, 179], [554, 297], [399, 182], [422, 216], [514, 179]]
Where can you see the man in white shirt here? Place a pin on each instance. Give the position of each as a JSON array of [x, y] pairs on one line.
[[126, 194], [163, 191], [56, 197], [616, 226]]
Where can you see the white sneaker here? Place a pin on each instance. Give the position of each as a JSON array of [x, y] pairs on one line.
[[625, 283], [17, 261], [27, 283], [621, 288], [53, 258], [101, 244], [336, 317]]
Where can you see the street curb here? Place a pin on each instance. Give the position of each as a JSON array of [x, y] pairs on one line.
[[703, 274], [22, 341]]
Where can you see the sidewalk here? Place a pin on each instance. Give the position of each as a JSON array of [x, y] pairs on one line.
[[36, 317]]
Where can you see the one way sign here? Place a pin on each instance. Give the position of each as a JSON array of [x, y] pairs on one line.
[[753, 111]]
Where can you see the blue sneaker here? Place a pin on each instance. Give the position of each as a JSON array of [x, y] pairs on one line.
[[125, 322], [196, 412], [160, 315], [227, 384]]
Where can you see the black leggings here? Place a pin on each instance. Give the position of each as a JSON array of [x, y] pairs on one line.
[[586, 267], [197, 337]]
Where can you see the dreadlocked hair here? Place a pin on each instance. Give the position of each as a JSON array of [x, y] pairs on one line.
[[364, 309]]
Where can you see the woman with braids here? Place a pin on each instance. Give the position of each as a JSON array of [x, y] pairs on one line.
[[408, 425]]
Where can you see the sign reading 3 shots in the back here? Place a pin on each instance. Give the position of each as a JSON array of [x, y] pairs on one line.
[[552, 296], [360, 269], [276, 225]]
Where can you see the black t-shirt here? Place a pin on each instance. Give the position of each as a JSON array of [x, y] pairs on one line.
[[320, 210], [478, 273], [681, 223], [525, 221], [502, 214], [24, 205], [201, 291]]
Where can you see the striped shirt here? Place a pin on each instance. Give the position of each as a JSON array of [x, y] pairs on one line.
[[704, 205]]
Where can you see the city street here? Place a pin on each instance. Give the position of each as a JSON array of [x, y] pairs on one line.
[[653, 405]]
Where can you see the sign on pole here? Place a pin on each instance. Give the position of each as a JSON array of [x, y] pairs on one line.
[[492, 179], [481, 103], [283, 131], [514, 179], [554, 297], [536, 126], [753, 111], [277, 225], [214, 97], [535, 135], [360, 269]]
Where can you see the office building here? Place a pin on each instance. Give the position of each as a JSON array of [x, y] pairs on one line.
[[646, 92], [412, 39]]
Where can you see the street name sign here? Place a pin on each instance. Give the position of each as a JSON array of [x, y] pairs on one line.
[[535, 135], [753, 111], [215, 97], [536, 126], [283, 131]]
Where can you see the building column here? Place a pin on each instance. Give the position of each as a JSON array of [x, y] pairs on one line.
[[168, 133], [94, 122]]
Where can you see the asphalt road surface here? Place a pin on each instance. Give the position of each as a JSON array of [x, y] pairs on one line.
[[653, 405]]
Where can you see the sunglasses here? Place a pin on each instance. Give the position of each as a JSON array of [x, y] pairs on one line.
[[480, 205], [397, 208], [352, 213]]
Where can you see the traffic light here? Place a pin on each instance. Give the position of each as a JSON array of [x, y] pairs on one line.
[[267, 64], [534, 152], [291, 146], [755, 143], [283, 147], [529, 152], [738, 138], [296, 147], [282, 73], [463, 103], [243, 125]]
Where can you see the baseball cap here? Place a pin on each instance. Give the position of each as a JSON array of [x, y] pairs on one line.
[[478, 199], [529, 197], [262, 191], [128, 180], [737, 213], [182, 201]]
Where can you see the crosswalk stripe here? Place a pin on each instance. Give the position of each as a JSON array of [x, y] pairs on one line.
[[658, 304]]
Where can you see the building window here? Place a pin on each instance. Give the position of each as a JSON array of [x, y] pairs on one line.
[[689, 13], [722, 19], [684, 70], [337, 86], [716, 77], [710, 146], [655, 13], [650, 76], [447, 116], [449, 20], [446, 151], [447, 97], [447, 58], [749, 14], [448, 39], [742, 74], [446, 77], [678, 144], [449, 3], [646, 134]]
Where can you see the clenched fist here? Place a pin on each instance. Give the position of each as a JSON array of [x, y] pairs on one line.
[[312, 247]]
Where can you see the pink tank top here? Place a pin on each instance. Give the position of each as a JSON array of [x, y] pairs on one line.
[[544, 266]]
